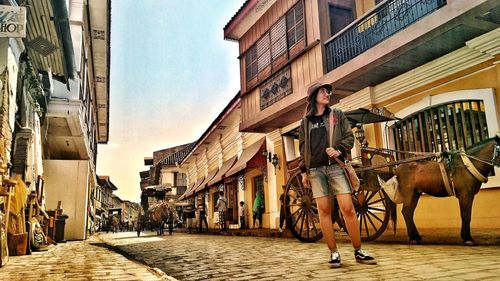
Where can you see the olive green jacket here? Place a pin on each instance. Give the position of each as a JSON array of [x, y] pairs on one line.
[[343, 138]]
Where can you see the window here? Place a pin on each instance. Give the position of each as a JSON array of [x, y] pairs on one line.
[[295, 24], [341, 16], [251, 63], [180, 179], [443, 127], [271, 49], [263, 52], [278, 39]]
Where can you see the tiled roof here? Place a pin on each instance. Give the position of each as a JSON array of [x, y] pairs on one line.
[[178, 156], [104, 181]]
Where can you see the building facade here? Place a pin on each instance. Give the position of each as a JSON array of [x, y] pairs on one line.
[[225, 159], [422, 60], [78, 107], [103, 201], [55, 99]]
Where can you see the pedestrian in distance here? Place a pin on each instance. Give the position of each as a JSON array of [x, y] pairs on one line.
[[221, 208], [319, 145], [190, 217], [284, 198], [258, 208], [202, 217], [241, 213]]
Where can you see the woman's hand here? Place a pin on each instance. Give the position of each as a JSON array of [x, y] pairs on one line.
[[332, 152], [305, 180]]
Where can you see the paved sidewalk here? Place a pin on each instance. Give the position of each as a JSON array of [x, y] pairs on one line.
[[79, 260]]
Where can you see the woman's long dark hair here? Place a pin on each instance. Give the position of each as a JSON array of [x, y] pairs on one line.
[[311, 107]]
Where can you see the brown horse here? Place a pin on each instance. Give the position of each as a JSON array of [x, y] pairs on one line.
[[158, 215], [416, 178]]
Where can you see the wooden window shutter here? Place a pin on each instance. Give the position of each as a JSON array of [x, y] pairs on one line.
[[278, 39]]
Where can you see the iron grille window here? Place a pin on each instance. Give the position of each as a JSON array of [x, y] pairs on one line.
[[180, 179], [295, 24], [449, 126]]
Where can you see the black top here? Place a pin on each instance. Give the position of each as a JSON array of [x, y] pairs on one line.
[[283, 196], [319, 141]]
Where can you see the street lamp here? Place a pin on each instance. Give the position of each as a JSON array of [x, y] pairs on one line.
[[360, 134], [272, 158]]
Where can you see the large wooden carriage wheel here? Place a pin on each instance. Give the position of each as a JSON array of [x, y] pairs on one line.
[[302, 212], [372, 213]]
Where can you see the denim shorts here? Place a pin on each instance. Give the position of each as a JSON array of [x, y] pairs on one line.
[[328, 180]]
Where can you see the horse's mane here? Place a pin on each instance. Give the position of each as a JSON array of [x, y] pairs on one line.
[[454, 158], [473, 147]]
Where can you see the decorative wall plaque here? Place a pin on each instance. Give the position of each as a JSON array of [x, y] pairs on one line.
[[276, 88]]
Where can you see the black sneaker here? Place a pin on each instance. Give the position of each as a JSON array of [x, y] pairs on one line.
[[363, 257], [334, 259]]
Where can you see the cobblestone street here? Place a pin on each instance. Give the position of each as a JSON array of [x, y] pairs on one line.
[[197, 257]]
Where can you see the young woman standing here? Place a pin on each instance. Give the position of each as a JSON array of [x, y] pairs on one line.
[[320, 171]]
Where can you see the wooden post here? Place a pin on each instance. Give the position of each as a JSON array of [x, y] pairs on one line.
[[9, 184]]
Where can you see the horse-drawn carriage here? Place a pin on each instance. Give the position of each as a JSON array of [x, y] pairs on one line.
[[424, 173], [157, 217]]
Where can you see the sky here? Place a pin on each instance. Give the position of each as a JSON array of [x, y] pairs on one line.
[[171, 75]]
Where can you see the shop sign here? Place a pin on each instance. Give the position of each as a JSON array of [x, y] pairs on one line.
[[12, 21]]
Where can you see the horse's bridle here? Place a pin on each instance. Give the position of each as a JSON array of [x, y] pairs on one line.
[[472, 169], [492, 162]]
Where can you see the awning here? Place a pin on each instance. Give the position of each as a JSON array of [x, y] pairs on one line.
[[196, 185], [207, 179], [365, 116], [247, 154], [189, 189], [223, 169]]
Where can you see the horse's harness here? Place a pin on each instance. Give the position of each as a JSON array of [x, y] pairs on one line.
[[450, 189]]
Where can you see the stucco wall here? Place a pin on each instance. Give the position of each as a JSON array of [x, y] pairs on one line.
[[432, 212], [67, 181], [481, 84]]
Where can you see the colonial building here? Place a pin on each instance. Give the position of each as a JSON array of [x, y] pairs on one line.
[[165, 179], [78, 103], [54, 102], [432, 63], [225, 159], [170, 173], [103, 200]]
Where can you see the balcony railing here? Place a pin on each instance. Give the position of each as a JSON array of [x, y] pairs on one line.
[[374, 27]]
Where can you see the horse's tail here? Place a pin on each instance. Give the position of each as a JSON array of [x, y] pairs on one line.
[[394, 214], [391, 189]]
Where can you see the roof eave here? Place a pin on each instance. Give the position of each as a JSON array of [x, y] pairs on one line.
[[237, 18]]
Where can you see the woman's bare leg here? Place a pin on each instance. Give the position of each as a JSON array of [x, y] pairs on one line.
[[351, 222], [325, 219]]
